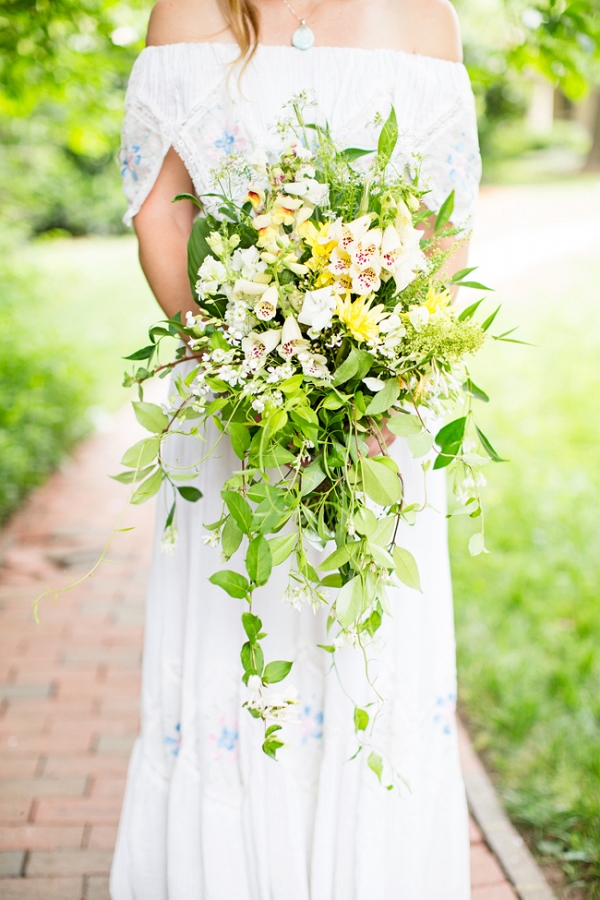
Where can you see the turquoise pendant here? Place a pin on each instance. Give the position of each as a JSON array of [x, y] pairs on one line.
[[303, 38]]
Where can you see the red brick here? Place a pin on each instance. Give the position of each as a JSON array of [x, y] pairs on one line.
[[18, 768], [35, 837], [494, 892], [484, 868], [105, 811], [108, 787], [68, 862], [67, 786], [42, 888], [103, 837], [35, 744], [89, 764], [475, 835], [15, 812]]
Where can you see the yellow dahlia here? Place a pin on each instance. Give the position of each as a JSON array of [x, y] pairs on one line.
[[361, 320]]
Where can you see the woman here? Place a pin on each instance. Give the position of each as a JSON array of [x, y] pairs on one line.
[[207, 816]]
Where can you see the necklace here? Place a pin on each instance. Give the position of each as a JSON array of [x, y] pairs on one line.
[[303, 37]]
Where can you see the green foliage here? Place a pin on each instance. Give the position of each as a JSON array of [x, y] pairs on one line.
[[44, 393], [528, 616]]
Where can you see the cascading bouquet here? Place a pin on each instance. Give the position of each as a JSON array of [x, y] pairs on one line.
[[324, 314]]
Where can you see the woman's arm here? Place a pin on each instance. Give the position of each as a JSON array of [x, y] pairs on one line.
[[163, 229]]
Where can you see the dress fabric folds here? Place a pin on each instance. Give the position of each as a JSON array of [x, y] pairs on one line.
[[207, 816]]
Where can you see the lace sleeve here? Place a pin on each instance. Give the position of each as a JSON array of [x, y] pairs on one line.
[[451, 158], [144, 146]]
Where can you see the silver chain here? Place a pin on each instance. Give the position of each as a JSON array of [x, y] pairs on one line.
[[294, 13]]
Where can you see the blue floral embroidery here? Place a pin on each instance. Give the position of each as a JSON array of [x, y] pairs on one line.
[[173, 743], [311, 724], [445, 707], [224, 739], [221, 136], [131, 158], [460, 160]]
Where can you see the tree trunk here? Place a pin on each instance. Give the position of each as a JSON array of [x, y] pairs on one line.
[[593, 160]]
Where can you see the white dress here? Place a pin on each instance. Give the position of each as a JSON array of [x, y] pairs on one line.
[[207, 816]]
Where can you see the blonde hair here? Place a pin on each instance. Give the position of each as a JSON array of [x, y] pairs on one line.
[[244, 20]]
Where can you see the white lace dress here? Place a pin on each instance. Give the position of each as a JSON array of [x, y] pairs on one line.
[[207, 816]]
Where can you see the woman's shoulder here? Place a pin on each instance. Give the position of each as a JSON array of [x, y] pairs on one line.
[[430, 26], [184, 21]]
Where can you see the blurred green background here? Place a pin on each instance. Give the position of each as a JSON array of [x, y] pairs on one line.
[[73, 302]]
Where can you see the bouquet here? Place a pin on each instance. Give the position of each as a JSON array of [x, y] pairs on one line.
[[324, 314]]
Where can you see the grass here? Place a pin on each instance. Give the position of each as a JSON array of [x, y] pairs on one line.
[[528, 614], [70, 309]]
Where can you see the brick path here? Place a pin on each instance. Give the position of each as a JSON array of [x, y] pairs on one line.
[[69, 687]]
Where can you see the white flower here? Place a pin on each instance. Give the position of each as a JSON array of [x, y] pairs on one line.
[[247, 262], [258, 346], [250, 288], [418, 316], [266, 307], [255, 683], [279, 373], [374, 384], [292, 341], [212, 539], [169, 540], [258, 405], [309, 189], [259, 161], [314, 364], [212, 274], [318, 308], [402, 255], [215, 242]]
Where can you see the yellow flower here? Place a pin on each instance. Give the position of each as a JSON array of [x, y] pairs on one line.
[[317, 239], [361, 320], [436, 300]]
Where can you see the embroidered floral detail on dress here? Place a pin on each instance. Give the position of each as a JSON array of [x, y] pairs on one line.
[[173, 742], [463, 163], [223, 739], [445, 708], [221, 135], [311, 724]]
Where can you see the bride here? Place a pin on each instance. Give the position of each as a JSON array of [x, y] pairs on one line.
[[207, 816]]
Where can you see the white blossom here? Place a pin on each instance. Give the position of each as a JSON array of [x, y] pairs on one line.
[[318, 308]]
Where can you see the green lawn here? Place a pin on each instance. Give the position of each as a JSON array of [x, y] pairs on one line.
[[528, 614]]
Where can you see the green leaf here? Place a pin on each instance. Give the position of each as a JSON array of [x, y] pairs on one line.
[[376, 763], [402, 425], [388, 138], [231, 537], [144, 353], [240, 438], [291, 385], [198, 249], [452, 433], [276, 671], [462, 273], [231, 582], [406, 568], [384, 398], [252, 625], [470, 311], [186, 196], [365, 521], [272, 729], [361, 719], [281, 547], [475, 285], [383, 533], [336, 559], [490, 319], [488, 447], [381, 556], [258, 560], [352, 153], [357, 363], [253, 659], [150, 416], [445, 213], [276, 421], [271, 746], [420, 444], [192, 494], [328, 648], [134, 475], [348, 604], [148, 488], [142, 453], [381, 484], [470, 388], [240, 510], [312, 476]]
